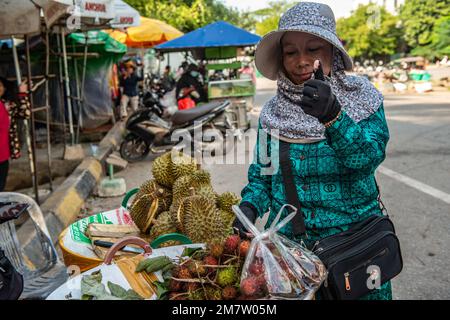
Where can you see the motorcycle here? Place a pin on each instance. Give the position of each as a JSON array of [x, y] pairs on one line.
[[152, 129]]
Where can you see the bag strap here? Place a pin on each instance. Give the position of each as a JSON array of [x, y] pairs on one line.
[[298, 223], [380, 202]]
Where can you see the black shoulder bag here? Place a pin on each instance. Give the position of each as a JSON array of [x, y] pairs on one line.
[[358, 260]]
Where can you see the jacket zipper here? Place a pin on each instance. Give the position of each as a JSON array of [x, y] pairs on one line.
[[347, 274], [368, 228]]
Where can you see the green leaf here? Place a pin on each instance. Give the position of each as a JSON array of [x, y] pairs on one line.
[[119, 292]]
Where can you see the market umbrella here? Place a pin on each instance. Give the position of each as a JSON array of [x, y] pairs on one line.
[[150, 33]]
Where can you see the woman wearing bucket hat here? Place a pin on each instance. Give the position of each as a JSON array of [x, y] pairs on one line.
[[334, 124]]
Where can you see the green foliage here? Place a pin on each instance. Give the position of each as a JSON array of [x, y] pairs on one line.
[[186, 15], [419, 18], [370, 32], [267, 19]]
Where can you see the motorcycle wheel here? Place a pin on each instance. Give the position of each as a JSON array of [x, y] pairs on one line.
[[134, 148]]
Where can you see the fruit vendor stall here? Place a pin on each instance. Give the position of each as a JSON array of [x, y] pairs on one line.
[[226, 50], [173, 240]]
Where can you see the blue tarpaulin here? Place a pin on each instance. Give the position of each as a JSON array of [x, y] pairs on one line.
[[218, 34]]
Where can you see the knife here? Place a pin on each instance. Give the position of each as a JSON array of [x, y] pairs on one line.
[[107, 244]]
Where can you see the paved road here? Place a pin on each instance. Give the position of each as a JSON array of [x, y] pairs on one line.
[[414, 180]]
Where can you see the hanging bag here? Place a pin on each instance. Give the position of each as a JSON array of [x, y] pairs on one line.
[[359, 260]]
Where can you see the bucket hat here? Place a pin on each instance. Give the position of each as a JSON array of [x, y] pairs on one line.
[[309, 17]]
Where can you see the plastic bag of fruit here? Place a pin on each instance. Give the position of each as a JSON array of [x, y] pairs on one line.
[[276, 267]]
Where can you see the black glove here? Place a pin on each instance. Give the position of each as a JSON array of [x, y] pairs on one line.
[[318, 100], [250, 212]]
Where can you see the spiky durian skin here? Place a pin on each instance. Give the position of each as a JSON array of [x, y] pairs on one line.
[[207, 191], [201, 220], [163, 225], [143, 201], [162, 170], [181, 188], [227, 217], [182, 164], [226, 200]]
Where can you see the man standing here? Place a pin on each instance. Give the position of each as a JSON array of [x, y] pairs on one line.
[[129, 84]]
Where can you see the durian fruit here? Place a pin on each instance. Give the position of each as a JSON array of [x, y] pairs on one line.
[[226, 200], [201, 221], [162, 170], [163, 225], [227, 217], [199, 179], [182, 164], [151, 200]]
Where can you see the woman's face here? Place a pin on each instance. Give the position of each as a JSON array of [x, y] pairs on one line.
[[300, 50], [2, 89]]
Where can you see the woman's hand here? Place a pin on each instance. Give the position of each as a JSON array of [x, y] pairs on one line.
[[318, 99], [238, 227], [23, 87]]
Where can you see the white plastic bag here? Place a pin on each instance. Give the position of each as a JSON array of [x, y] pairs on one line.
[[276, 267]]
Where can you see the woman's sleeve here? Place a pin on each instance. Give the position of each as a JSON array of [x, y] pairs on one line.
[[256, 194], [360, 145]]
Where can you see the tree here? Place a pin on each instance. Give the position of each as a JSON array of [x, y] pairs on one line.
[[370, 32], [267, 19], [419, 18], [186, 15]]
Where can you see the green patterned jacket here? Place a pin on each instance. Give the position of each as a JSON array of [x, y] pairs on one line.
[[335, 177]]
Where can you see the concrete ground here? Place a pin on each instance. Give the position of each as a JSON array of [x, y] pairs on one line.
[[414, 183]]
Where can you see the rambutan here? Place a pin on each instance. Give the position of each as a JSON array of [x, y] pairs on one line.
[[216, 250], [244, 246], [196, 268], [250, 286], [231, 244], [175, 285], [229, 293], [210, 261], [191, 286], [256, 268]]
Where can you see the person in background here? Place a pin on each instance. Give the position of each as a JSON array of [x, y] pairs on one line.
[[181, 70], [130, 94], [191, 79], [10, 112], [168, 80]]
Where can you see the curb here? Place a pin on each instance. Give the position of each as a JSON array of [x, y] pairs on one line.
[[64, 204]]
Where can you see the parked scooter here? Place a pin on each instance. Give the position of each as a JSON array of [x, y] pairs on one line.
[[150, 129]]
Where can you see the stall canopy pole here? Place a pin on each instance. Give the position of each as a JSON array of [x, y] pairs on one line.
[[66, 80], [25, 122], [61, 89], [83, 79], [47, 104], [33, 140], [76, 98]]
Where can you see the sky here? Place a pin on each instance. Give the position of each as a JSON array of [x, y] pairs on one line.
[[341, 8]]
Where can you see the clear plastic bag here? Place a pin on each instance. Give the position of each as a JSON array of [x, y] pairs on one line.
[[276, 267]]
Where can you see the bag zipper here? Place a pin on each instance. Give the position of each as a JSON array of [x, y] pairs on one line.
[[367, 228], [347, 274]]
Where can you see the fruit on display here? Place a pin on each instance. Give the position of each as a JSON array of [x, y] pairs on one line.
[[162, 225], [226, 200], [204, 273], [181, 199], [151, 200]]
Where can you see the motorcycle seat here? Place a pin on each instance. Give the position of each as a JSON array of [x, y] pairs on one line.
[[183, 116]]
